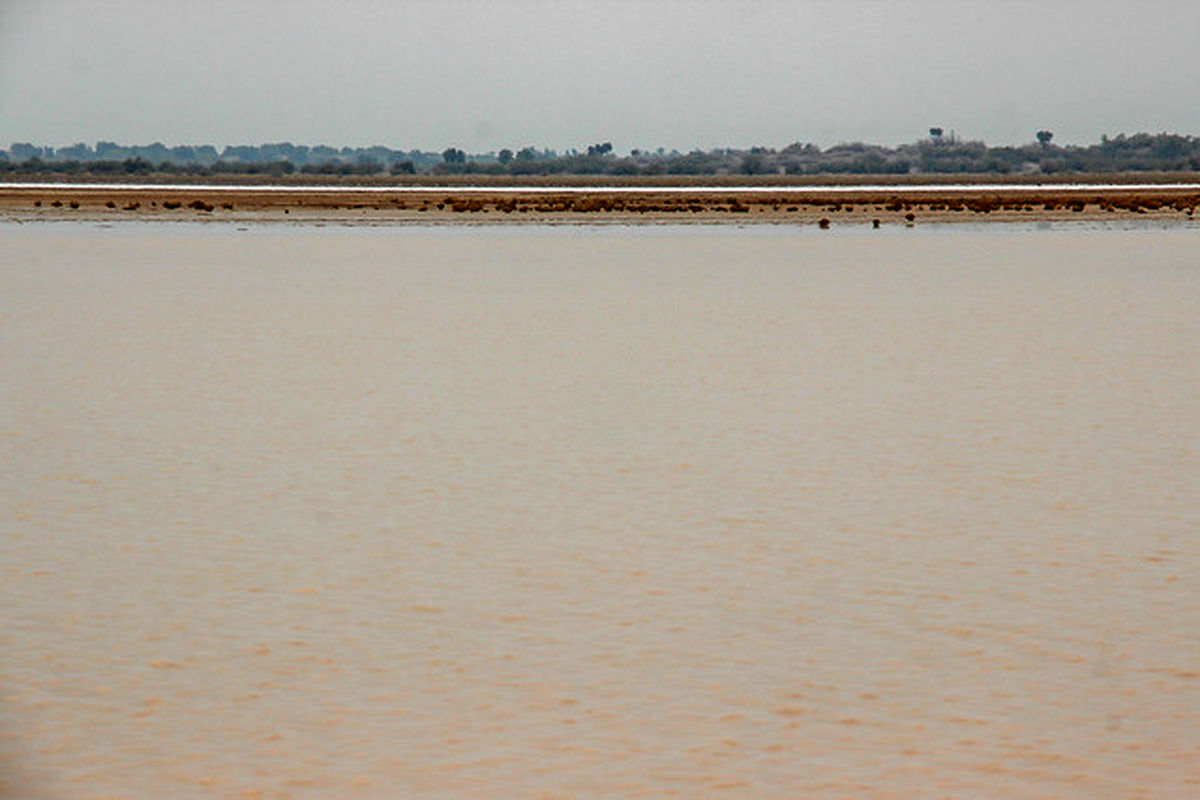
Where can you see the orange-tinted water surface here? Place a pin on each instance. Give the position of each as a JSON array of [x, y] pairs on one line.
[[599, 512]]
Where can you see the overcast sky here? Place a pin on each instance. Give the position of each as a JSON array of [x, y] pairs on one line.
[[486, 75]]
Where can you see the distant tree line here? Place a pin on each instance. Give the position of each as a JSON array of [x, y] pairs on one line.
[[937, 154], [284, 158]]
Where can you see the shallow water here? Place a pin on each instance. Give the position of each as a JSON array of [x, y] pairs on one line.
[[599, 512]]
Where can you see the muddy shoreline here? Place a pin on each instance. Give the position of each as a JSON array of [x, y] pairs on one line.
[[874, 205]]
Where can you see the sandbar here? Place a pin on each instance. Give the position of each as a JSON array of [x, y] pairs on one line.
[[807, 205]]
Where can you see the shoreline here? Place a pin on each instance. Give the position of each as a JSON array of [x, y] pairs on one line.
[[684, 182], [823, 206]]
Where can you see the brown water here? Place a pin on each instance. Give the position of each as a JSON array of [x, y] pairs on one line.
[[575, 512]]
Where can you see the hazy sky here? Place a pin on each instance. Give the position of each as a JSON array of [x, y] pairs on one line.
[[486, 75]]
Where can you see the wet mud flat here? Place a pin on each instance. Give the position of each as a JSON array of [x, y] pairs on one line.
[[877, 206]]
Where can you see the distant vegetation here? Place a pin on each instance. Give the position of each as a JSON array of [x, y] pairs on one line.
[[937, 154]]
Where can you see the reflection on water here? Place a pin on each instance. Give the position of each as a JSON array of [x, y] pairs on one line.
[[598, 513]]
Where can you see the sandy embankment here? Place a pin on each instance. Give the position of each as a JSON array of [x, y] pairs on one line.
[[888, 206]]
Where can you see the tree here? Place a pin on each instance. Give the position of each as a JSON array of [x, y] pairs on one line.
[[505, 156], [367, 165], [452, 155], [753, 164], [599, 149], [1044, 138], [936, 134], [24, 151]]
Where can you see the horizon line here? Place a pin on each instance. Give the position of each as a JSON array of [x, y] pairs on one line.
[[951, 138]]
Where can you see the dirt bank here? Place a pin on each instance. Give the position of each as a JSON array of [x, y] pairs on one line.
[[888, 206]]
